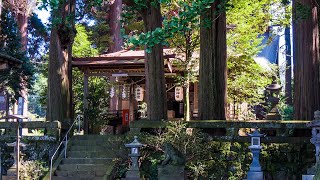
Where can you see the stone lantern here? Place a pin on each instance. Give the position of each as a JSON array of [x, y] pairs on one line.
[[315, 140], [273, 90], [133, 173], [255, 172]]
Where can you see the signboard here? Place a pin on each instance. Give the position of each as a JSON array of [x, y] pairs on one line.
[[139, 94], [2, 103], [20, 105], [178, 93]]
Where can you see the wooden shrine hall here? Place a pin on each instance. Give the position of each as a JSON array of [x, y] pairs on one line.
[[126, 72]]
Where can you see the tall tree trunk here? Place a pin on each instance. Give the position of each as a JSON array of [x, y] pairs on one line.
[[288, 79], [22, 22], [213, 72], [154, 66], [59, 78], [117, 42], [115, 26], [306, 59]]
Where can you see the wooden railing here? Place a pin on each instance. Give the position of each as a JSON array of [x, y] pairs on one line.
[[229, 130]]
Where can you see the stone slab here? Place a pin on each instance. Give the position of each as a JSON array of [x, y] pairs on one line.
[[307, 177], [255, 176], [170, 172]]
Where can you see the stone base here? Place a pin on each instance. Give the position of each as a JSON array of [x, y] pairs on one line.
[[9, 178], [307, 177], [12, 171], [133, 175], [170, 172], [255, 176]]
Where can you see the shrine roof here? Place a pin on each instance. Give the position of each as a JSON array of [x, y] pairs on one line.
[[124, 58], [6, 60]]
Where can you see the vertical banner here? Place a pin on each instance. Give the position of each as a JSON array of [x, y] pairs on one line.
[[178, 94]]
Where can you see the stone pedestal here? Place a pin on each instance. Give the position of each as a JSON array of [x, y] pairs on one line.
[[171, 172], [133, 174], [307, 177], [255, 175]]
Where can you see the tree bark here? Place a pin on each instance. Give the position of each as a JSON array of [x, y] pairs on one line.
[[213, 72], [306, 59], [22, 22], [115, 26], [116, 45], [288, 75], [154, 66], [60, 54]]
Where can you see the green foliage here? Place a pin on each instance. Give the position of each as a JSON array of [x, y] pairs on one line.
[[82, 46], [303, 12], [14, 79], [38, 37], [189, 13], [286, 111], [30, 170], [247, 79], [100, 35], [98, 99]]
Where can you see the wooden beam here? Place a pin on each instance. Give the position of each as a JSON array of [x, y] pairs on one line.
[[133, 58]]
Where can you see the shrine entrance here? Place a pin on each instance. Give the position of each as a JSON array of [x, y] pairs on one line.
[[126, 74]]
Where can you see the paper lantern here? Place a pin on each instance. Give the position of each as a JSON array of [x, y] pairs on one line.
[[112, 92], [139, 94], [178, 94]]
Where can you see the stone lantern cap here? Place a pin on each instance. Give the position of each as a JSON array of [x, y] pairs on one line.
[[274, 86], [134, 144], [256, 133], [316, 121]]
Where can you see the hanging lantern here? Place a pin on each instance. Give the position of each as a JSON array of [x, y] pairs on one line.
[[139, 94], [124, 93], [178, 93], [112, 92]]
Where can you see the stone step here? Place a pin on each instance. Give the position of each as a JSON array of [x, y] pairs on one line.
[[97, 142], [91, 154], [93, 148], [83, 167], [98, 137], [87, 160], [82, 174], [78, 178]]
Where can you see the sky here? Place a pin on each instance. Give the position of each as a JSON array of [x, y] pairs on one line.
[[43, 15]]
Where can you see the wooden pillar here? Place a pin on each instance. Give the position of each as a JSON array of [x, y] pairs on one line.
[[195, 99], [85, 101], [18, 149]]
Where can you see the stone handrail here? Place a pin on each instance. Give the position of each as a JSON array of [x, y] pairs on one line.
[[51, 129], [295, 131]]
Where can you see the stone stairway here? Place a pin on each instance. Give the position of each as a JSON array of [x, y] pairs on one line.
[[89, 157]]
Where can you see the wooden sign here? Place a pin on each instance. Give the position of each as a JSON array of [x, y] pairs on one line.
[[178, 93], [139, 94]]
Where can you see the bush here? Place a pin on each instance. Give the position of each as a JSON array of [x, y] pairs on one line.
[[32, 170]]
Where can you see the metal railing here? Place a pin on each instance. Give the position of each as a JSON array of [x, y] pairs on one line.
[[65, 142]]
